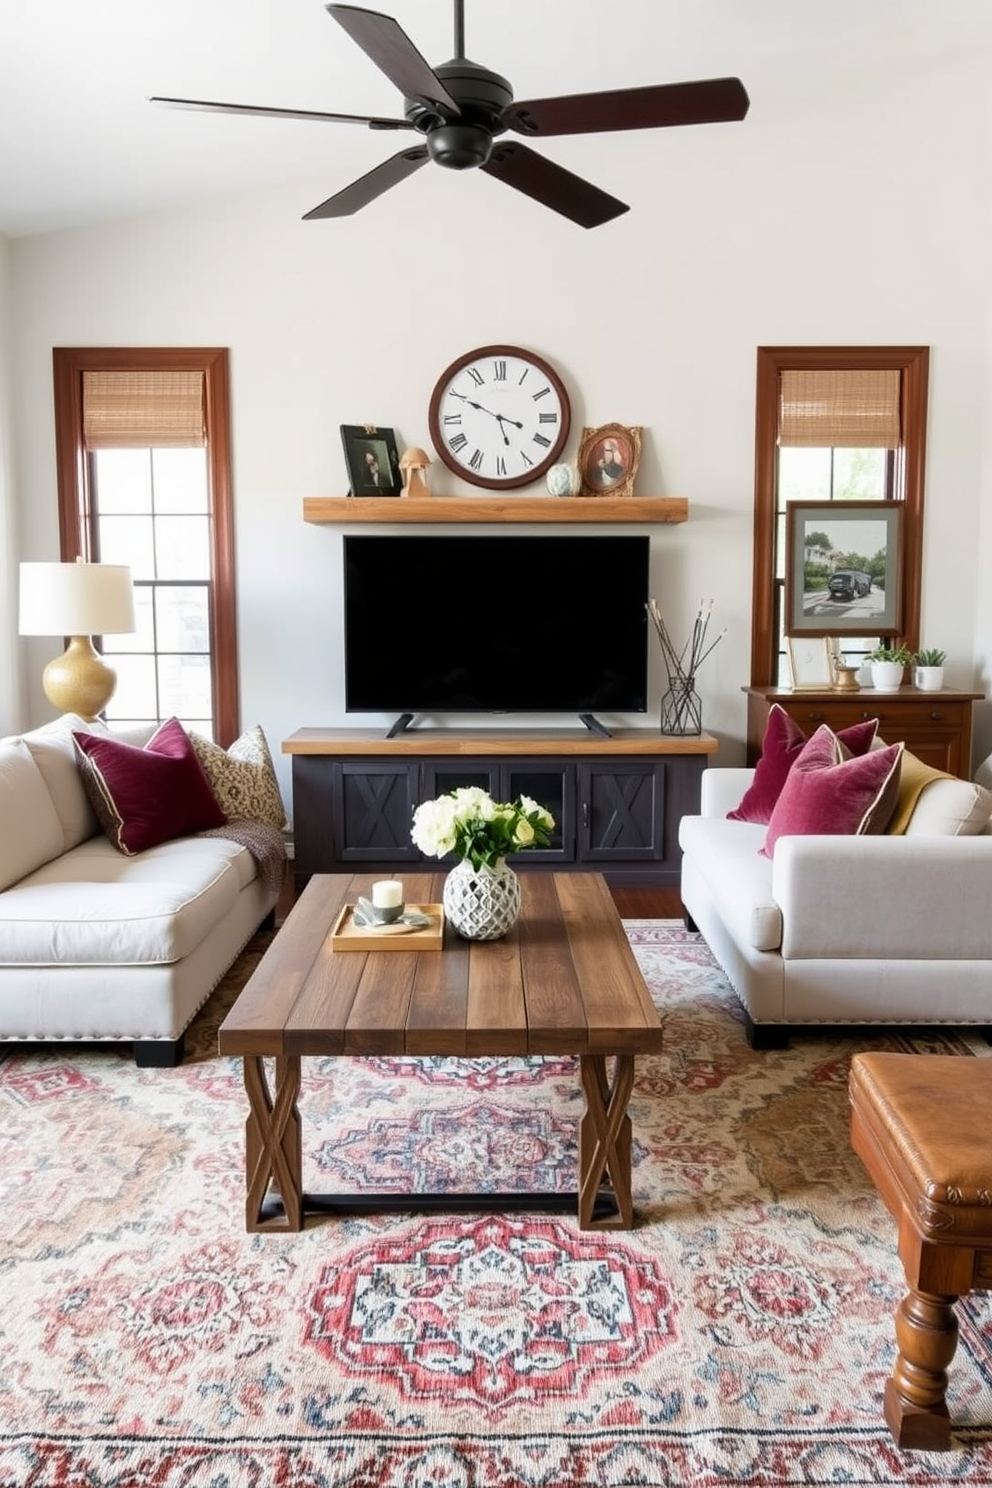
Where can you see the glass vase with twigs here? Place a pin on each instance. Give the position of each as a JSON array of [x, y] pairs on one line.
[[681, 707]]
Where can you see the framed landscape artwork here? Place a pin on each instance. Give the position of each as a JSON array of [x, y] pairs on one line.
[[843, 569], [372, 461]]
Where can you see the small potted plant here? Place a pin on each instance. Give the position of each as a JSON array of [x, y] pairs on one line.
[[928, 669], [888, 663]]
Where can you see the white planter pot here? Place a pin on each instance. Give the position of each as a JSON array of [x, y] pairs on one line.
[[929, 679], [886, 676]]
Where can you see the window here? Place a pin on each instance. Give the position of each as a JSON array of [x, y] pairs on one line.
[[143, 454], [834, 424]]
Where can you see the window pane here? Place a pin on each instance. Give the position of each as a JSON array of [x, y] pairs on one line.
[[183, 618], [123, 480], [859, 475], [182, 547], [128, 540], [143, 637], [803, 475], [184, 686], [180, 480], [135, 696]]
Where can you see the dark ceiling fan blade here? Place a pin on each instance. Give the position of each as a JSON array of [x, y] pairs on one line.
[[552, 185], [390, 173], [389, 47], [280, 113], [711, 101]]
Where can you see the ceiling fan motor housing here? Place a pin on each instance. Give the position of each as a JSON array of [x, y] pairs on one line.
[[466, 140]]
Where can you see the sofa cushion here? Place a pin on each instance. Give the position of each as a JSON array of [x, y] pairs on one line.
[[94, 906], [243, 777], [54, 753], [780, 748], [144, 796], [828, 794], [30, 831], [948, 807], [726, 855]]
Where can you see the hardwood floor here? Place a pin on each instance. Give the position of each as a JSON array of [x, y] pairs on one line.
[[633, 904]]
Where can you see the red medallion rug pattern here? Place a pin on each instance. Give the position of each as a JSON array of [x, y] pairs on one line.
[[741, 1334]]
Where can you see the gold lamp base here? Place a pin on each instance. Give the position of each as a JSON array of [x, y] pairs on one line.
[[79, 681]]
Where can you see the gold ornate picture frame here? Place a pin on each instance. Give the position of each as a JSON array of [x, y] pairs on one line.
[[609, 457]]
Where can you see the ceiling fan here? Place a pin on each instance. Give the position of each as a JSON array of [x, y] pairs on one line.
[[460, 109]]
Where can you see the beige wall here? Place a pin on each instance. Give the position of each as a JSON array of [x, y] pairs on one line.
[[854, 218]]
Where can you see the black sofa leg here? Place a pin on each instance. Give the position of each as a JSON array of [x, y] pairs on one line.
[[766, 1035], [689, 922], [159, 1053], [269, 923]]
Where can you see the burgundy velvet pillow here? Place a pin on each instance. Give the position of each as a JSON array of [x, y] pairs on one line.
[[831, 794], [780, 748], [144, 796]]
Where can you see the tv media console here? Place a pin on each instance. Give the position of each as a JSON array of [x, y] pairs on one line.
[[617, 801]]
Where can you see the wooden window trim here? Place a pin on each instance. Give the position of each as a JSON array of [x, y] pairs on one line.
[[74, 493], [913, 363]]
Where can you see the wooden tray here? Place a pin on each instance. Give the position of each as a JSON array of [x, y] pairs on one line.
[[347, 936]]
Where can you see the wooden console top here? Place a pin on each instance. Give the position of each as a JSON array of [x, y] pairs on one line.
[[424, 741]]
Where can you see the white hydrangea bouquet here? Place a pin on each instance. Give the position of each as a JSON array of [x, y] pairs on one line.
[[467, 821]]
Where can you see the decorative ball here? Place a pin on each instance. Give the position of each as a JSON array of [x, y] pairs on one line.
[[563, 480]]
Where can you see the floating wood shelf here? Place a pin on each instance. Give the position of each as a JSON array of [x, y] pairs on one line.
[[395, 509]]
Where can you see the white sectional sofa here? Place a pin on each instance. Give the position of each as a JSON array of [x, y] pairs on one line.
[[845, 929], [99, 945]]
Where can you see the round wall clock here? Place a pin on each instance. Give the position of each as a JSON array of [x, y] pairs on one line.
[[499, 417]]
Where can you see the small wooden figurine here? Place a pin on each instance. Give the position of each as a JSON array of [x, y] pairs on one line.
[[413, 464]]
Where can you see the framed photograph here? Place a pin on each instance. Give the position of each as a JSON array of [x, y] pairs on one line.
[[810, 662], [608, 459], [372, 461], [843, 568]]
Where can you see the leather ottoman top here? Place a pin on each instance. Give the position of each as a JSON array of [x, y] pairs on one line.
[[931, 1117]]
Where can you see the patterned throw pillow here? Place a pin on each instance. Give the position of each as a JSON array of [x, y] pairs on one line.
[[243, 777], [146, 796]]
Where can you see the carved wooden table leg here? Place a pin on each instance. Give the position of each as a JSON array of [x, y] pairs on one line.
[[605, 1141], [273, 1144], [915, 1405]]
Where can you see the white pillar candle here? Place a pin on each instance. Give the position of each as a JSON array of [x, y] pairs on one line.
[[387, 893]]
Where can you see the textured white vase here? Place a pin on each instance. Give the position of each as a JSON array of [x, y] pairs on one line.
[[563, 480], [481, 903]]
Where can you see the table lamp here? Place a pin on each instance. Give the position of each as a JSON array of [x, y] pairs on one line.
[[78, 600]]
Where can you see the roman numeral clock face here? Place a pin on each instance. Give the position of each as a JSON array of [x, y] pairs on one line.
[[499, 417]]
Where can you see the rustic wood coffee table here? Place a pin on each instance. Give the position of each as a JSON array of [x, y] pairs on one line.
[[563, 981]]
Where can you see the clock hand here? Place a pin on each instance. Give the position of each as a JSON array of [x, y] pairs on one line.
[[502, 417]]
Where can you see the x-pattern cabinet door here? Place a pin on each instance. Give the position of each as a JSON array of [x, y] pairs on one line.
[[373, 811], [621, 812]]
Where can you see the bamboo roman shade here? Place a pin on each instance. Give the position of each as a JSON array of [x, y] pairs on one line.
[[138, 410], [845, 408]]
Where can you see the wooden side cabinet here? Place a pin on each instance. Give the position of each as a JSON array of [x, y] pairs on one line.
[[617, 802], [935, 726]]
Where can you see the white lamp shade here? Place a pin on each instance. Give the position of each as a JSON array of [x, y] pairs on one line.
[[70, 599]]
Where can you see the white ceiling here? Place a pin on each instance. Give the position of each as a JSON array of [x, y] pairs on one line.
[[79, 142]]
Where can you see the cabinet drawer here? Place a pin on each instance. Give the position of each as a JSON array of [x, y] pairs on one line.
[[895, 720]]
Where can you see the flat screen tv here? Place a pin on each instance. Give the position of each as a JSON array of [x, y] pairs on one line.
[[516, 624]]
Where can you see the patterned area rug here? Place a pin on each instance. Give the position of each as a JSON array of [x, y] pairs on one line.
[[741, 1334]]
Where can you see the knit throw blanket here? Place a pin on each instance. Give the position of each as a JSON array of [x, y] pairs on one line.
[[263, 841]]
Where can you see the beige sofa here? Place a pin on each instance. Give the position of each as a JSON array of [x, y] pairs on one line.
[[98, 945], [846, 929]]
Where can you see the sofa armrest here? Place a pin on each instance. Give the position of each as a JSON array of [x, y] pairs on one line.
[[721, 789], [885, 897]]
